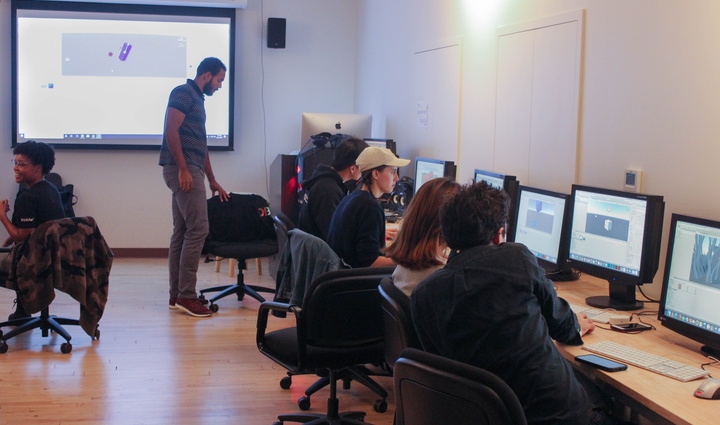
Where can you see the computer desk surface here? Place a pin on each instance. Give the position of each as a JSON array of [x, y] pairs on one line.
[[659, 398]]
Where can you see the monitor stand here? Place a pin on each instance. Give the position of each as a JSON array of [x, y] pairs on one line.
[[622, 298], [710, 351]]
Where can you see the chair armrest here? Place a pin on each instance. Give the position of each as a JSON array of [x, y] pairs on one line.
[[263, 312]]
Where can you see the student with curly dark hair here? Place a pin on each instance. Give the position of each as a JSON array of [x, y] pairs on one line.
[[39, 203], [491, 306]]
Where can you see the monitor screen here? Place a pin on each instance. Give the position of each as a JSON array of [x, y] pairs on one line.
[[382, 143], [691, 286], [356, 125], [493, 179], [427, 169], [616, 235], [89, 75], [510, 185], [542, 225]]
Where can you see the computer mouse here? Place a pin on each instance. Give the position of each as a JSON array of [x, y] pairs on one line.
[[709, 389]]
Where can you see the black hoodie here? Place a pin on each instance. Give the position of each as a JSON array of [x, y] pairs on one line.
[[322, 193]]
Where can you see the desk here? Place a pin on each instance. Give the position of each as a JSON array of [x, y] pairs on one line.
[[659, 398]]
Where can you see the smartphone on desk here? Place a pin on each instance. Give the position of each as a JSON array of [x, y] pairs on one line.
[[631, 327], [601, 363]]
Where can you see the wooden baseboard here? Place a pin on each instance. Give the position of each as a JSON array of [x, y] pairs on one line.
[[140, 252]]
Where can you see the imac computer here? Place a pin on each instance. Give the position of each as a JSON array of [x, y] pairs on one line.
[[356, 125], [382, 143], [543, 225], [427, 169], [690, 293], [616, 236], [510, 185]]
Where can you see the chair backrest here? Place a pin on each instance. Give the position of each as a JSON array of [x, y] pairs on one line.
[[399, 329], [432, 390], [342, 308]]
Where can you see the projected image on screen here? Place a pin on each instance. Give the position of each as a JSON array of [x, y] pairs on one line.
[[109, 55], [705, 267], [608, 220], [100, 75], [540, 215]]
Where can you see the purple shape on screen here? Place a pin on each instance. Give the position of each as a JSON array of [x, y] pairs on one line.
[[124, 51]]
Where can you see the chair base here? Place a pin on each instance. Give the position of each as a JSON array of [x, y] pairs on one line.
[[240, 289], [345, 418], [46, 323], [332, 417], [347, 375]]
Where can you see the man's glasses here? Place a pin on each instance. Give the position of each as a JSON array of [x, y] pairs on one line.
[[19, 163]]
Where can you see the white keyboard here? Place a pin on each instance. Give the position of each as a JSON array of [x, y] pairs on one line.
[[647, 361], [597, 315]]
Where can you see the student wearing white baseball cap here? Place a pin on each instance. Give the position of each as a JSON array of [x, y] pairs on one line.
[[357, 229]]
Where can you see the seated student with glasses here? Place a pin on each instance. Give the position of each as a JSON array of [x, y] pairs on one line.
[[357, 229], [37, 204]]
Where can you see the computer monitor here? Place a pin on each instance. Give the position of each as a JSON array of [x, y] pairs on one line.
[[510, 185], [616, 236], [382, 143], [542, 225], [356, 125], [690, 293], [427, 169]]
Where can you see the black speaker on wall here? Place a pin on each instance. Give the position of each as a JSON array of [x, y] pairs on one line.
[[276, 33]]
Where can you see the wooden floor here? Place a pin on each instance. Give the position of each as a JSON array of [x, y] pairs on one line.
[[153, 365]]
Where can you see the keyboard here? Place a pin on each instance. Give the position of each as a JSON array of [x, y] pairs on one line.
[[597, 315], [647, 361]]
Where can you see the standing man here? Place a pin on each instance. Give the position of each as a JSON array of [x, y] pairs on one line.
[[185, 161], [492, 307], [325, 189]]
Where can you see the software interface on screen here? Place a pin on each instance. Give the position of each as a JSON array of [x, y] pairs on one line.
[[103, 77], [496, 182], [426, 171], [539, 224], [608, 231], [693, 282]]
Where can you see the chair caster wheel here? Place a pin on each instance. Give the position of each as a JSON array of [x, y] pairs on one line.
[[66, 347], [214, 308], [3, 347], [380, 406], [304, 403], [285, 383], [277, 423], [97, 334], [201, 297]]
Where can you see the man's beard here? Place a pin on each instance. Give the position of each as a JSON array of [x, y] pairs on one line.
[[207, 89]]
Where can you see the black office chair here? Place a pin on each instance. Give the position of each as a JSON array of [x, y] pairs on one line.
[[432, 390], [71, 255], [399, 329], [338, 327], [240, 228]]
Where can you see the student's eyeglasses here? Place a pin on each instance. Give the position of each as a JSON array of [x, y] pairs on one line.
[[20, 164]]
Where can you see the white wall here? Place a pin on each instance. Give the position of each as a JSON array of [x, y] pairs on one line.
[[124, 190], [650, 88]]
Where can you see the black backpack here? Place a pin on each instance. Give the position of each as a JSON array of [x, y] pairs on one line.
[[242, 218]]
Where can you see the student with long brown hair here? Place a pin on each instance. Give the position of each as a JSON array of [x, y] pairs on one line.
[[419, 247]]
